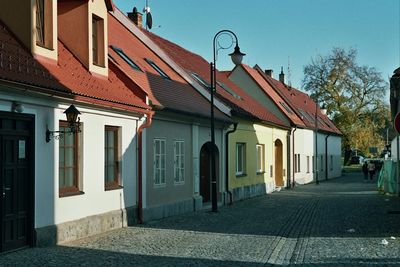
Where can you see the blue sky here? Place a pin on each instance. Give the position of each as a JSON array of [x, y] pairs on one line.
[[275, 33]]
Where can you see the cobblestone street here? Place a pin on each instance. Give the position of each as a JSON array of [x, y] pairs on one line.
[[341, 222]]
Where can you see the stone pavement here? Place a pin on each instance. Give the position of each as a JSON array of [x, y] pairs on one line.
[[341, 222]]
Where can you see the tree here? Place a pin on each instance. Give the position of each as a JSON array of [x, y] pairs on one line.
[[353, 95]]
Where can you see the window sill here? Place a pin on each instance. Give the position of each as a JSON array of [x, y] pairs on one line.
[[113, 187], [260, 172], [241, 174], [179, 183], [160, 186], [45, 47], [71, 194]]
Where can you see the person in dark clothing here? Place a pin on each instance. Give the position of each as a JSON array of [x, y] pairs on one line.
[[371, 170], [365, 170]]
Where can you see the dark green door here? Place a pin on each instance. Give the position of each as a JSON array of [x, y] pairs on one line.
[[16, 181]]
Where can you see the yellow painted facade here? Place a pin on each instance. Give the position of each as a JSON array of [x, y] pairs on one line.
[[252, 134]]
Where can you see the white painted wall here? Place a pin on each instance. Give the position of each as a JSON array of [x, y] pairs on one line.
[[50, 209]]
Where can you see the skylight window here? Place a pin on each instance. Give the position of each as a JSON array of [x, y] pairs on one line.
[[229, 90], [127, 59], [158, 69], [200, 80], [286, 107]]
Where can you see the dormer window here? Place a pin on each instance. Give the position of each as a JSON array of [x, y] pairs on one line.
[[158, 69], [44, 23], [127, 59], [98, 40]]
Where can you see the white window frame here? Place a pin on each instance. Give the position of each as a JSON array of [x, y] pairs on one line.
[[161, 157], [241, 166], [179, 162], [260, 161]]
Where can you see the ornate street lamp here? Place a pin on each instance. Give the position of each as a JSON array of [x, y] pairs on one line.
[[236, 57], [73, 123]]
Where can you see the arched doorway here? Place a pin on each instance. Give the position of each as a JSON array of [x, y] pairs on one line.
[[205, 170], [278, 163]]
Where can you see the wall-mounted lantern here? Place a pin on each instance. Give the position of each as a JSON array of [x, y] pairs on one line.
[[73, 123]]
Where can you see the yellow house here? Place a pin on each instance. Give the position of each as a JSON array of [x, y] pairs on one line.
[[258, 159]]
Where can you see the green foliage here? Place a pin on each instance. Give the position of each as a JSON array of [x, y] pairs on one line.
[[354, 96]]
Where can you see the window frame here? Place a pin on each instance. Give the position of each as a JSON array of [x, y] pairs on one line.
[[98, 57], [260, 170], [308, 164], [44, 24], [242, 164], [163, 157], [116, 182], [331, 163], [157, 68], [72, 190], [126, 58], [181, 158]]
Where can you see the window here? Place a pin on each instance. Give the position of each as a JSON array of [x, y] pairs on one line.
[[68, 162], [159, 161], [260, 158], [200, 80], [331, 163], [286, 107], [44, 23], [240, 158], [111, 158], [158, 69], [308, 164], [127, 59], [179, 161], [296, 163], [98, 41], [229, 90]]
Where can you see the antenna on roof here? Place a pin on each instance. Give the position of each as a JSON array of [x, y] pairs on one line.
[[289, 74], [149, 18]]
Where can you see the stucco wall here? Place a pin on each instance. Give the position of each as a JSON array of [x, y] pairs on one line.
[[170, 192], [253, 134], [50, 209]]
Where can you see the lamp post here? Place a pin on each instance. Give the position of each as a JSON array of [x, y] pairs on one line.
[[236, 57]]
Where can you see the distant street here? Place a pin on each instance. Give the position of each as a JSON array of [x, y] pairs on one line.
[[342, 222]]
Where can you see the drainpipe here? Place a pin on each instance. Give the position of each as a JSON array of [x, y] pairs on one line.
[[227, 161], [294, 164], [147, 124], [326, 156], [288, 167]]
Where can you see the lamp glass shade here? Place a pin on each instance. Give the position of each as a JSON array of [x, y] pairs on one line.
[[72, 114], [237, 56]]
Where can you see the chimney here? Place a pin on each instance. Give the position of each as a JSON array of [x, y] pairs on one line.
[[136, 17], [324, 110], [282, 76], [269, 72]]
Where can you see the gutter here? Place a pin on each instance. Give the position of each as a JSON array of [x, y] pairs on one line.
[[326, 156], [145, 125], [227, 162], [294, 163]]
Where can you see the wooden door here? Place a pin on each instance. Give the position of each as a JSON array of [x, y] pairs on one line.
[[205, 173], [278, 163], [16, 187]]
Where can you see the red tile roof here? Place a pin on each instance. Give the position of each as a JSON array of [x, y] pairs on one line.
[[237, 99], [270, 92], [302, 103], [174, 93], [68, 78]]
